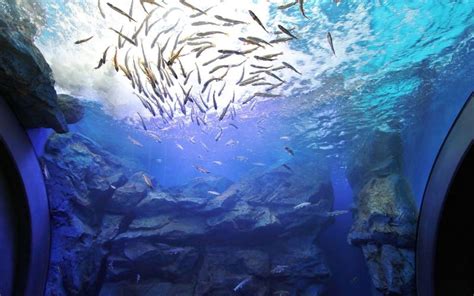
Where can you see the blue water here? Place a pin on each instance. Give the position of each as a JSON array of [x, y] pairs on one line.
[[403, 67]]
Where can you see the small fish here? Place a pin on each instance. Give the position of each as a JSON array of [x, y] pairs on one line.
[[201, 169], [213, 193], [233, 125], [148, 181], [260, 164], [121, 12], [228, 20], [287, 167], [192, 7], [291, 67], [301, 3], [290, 151], [279, 269], [336, 213], [204, 23], [285, 138], [241, 158], [331, 44], [219, 134], [257, 20], [280, 40], [302, 205], [286, 6], [217, 162], [180, 147], [128, 39], [210, 33], [45, 170], [100, 9], [242, 284], [231, 142], [142, 121], [103, 59], [286, 31], [83, 40], [135, 142]]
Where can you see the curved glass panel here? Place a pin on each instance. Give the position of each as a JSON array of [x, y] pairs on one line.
[[240, 147]]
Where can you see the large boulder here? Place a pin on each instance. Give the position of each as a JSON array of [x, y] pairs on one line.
[[80, 179], [26, 81], [385, 213], [71, 107]]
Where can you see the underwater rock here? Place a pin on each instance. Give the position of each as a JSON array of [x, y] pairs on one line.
[[392, 269], [26, 82], [71, 107], [379, 155], [386, 213], [224, 268], [152, 260], [81, 176], [125, 198], [182, 240]]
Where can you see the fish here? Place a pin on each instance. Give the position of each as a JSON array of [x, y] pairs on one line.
[[287, 167], [279, 269], [241, 158], [301, 4], [286, 31], [233, 125], [198, 73], [180, 147], [143, 121], [290, 151], [128, 39], [291, 67], [302, 205], [213, 193], [115, 60], [286, 6], [148, 181], [280, 40], [331, 44], [219, 134], [201, 169], [228, 20], [121, 12], [204, 23], [260, 164], [231, 142], [210, 33], [183, 2], [242, 76], [257, 20], [201, 13], [217, 162], [100, 9], [258, 40], [206, 84], [242, 284], [285, 138], [336, 213], [83, 40], [174, 56], [45, 170], [103, 59], [135, 142]]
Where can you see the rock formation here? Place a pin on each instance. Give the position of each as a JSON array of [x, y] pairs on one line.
[[385, 214], [114, 234]]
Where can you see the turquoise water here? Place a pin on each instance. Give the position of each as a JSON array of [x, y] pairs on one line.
[[403, 68]]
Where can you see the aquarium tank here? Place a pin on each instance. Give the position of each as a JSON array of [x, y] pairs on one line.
[[245, 147]]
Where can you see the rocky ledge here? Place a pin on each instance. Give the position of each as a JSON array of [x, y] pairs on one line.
[[385, 214], [27, 85], [116, 232]]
